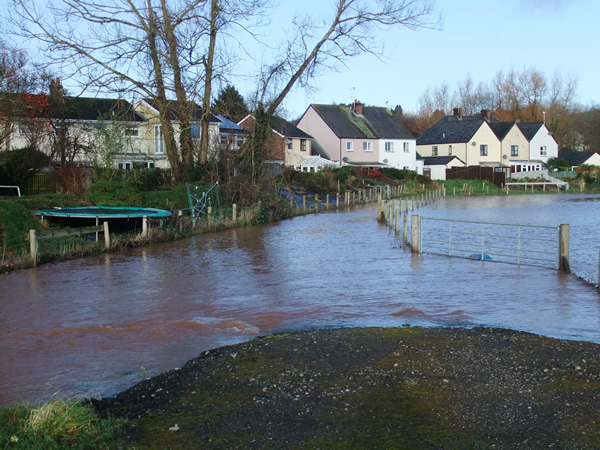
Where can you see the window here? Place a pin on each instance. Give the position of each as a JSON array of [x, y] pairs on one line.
[[367, 146], [159, 143], [543, 150], [195, 131], [483, 149], [290, 144], [406, 147], [131, 131], [349, 146], [449, 150], [389, 147], [125, 165], [434, 150], [302, 145], [514, 150], [406, 168], [24, 131]]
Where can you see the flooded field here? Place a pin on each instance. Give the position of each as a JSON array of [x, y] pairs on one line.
[[95, 326]]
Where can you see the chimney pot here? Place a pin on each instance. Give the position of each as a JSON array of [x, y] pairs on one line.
[[458, 113]]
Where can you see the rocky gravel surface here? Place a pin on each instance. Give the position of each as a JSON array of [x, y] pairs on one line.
[[374, 388]]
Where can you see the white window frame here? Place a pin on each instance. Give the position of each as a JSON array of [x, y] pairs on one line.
[[483, 150], [349, 146], [543, 150], [302, 145], [450, 150], [406, 147], [159, 141], [434, 150], [367, 146], [514, 150], [389, 147]]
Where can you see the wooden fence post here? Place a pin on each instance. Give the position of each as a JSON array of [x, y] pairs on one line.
[[145, 226], [33, 247], [106, 235], [234, 212], [563, 262], [414, 240]]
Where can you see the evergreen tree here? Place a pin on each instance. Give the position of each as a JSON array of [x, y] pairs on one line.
[[230, 104]]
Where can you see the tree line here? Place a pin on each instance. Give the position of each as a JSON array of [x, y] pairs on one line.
[[528, 95]]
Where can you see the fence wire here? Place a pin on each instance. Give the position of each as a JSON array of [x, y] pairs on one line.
[[527, 245]]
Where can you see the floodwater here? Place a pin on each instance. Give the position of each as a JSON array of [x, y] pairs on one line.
[[94, 326]]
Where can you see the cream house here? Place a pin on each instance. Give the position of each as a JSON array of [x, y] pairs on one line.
[[153, 137], [471, 139]]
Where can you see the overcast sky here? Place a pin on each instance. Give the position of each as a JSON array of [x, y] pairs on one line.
[[476, 37]]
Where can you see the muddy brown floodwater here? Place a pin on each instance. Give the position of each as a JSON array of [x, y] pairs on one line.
[[95, 326]]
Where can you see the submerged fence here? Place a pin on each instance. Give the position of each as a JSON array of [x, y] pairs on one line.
[[527, 245]]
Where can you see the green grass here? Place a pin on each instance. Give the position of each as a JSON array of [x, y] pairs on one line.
[[58, 424]]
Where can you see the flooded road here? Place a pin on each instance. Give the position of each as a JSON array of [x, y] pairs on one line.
[[94, 326]]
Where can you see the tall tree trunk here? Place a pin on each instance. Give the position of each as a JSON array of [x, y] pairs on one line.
[[204, 136], [184, 111], [161, 99]]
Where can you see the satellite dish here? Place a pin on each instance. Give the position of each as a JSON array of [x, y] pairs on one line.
[[345, 159], [473, 143], [504, 156], [385, 161]]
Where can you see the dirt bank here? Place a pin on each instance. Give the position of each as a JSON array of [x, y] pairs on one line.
[[375, 387]]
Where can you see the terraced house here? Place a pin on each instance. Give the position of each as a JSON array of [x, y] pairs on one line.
[[362, 136], [511, 147]]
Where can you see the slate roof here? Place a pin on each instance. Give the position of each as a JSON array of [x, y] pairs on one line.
[[81, 108], [374, 123], [451, 130], [437, 160], [285, 128], [172, 105], [576, 158], [530, 129], [501, 129], [92, 109]]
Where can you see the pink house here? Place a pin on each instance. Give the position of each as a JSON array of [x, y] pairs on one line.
[[361, 135]]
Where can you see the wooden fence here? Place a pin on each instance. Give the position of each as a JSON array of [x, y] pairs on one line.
[[477, 173]]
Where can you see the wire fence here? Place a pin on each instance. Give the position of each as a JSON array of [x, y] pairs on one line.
[[526, 245]]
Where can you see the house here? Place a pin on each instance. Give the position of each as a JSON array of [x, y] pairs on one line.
[[469, 138], [153, 134], [79, 130], [542, 145], [287, 146], [576, 159], [482, 141], [359, 135], [231, 135], [434, 167]]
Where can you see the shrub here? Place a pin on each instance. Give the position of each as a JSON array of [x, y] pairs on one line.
[[115, 193]]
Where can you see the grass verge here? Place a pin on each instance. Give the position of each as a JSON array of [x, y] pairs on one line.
[[58, 424]]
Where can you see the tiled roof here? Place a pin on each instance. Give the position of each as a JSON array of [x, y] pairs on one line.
[[576, 158], [451, 130], [374, 123]]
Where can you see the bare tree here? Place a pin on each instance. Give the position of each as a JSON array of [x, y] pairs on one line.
[[348, 33]]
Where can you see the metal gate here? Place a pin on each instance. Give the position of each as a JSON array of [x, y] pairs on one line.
[[527, 245]]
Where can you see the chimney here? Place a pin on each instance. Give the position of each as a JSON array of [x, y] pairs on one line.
[[458, 113], [358, 107], [56, 87], [485, 114]]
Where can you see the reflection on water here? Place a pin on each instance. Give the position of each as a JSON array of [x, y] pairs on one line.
[[87, 326]]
